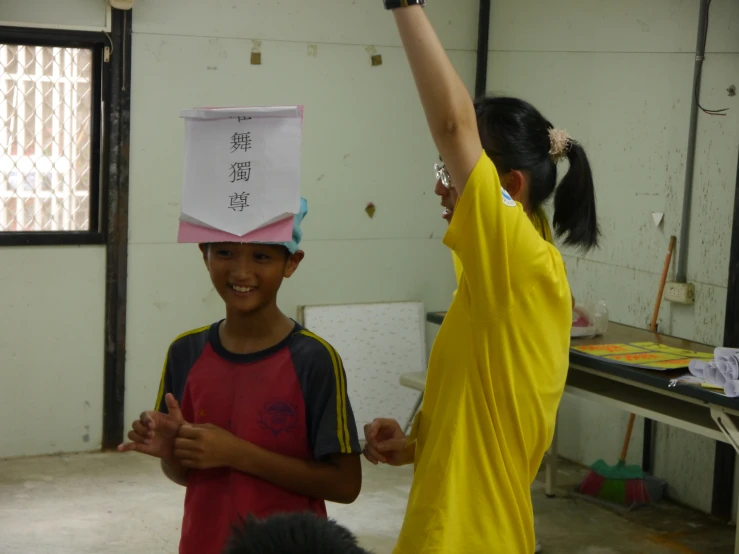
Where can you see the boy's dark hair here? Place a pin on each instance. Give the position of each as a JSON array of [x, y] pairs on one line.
[[295, 533], [516, 137], [285, 249]]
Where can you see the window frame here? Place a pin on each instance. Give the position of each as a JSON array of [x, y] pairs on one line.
[[99, 44]]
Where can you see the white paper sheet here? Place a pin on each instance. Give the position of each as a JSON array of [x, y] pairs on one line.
[[242, 167], [220, 113]]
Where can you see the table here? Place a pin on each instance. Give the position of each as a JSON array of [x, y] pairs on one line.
[[651, 394]]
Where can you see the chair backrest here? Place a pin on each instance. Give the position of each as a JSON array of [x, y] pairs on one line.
[[377, 343]]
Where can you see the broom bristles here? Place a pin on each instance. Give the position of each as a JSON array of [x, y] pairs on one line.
[[619, 491], [637, 492], [592, 484], [613, 490]]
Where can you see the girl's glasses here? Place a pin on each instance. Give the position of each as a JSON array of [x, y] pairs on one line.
[[443, 175]]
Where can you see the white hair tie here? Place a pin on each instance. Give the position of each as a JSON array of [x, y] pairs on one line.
[[560, 143]]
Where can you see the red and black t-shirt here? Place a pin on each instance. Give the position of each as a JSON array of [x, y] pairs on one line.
[[290, 399]]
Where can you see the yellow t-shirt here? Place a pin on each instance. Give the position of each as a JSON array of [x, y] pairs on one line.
[[540, 222], [495, 379]]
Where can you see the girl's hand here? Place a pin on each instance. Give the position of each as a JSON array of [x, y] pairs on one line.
[[387, 444]]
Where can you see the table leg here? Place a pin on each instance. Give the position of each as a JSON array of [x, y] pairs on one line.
[[413, 413], [730, 431], [727, 426], [550, 469]]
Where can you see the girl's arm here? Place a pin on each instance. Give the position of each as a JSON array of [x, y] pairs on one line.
[[449, 110]]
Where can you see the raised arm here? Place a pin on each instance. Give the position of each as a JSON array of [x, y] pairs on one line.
[[447, 103]]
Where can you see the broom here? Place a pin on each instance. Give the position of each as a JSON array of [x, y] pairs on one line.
[[620, 484], [624, 484]]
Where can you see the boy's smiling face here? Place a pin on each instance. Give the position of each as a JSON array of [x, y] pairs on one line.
[[248, 276]]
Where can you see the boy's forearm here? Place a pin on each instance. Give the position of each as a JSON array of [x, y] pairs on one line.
[[336, 482], [175, 472]]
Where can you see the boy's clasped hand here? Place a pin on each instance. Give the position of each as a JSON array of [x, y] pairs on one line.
[[171, 438]]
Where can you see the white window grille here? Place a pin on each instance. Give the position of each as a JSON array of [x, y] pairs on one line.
[[45, 138]]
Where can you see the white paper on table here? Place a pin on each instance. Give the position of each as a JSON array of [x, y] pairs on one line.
[[242, 167]]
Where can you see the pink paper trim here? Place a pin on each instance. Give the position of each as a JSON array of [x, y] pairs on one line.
[[279, 231]]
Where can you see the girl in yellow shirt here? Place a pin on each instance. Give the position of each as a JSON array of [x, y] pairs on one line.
[[541, 223], [498, 366]]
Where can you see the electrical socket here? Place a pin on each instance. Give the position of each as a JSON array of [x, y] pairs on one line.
[[680, 293]]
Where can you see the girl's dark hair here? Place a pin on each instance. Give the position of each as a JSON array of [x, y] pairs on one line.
[[516, 136]]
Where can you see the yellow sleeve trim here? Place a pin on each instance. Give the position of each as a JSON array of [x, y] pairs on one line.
[[342, 427], [160, 394]]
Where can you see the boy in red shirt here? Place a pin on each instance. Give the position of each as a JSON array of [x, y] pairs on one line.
[[252, 415]]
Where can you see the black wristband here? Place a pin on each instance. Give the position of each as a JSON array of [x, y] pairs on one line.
[[394, 4]]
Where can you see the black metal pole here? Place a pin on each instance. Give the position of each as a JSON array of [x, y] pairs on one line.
[[700, 52], [483, 33], [723, 481], [115, 197], [647, 446], [725, 456]]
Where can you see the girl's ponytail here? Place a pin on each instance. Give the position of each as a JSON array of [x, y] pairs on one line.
[[516, 136], [574, 202]]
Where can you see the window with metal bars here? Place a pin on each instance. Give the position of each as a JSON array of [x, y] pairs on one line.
[[50, 139]]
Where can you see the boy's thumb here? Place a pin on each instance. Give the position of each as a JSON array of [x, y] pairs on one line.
[[173, 407]]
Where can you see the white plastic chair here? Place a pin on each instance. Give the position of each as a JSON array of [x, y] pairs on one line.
[[415, 380]]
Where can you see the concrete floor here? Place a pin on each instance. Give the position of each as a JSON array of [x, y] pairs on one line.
[[118, 504]]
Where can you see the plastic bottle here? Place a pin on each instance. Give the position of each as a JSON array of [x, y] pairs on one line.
[[601, 317]]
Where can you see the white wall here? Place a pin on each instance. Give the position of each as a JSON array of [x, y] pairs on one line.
[[365, 140], [52, 324], [51, 349], [618, 77], [87, 15]]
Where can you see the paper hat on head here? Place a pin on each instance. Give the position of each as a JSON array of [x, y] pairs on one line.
[[242, 175], [293, 245]]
